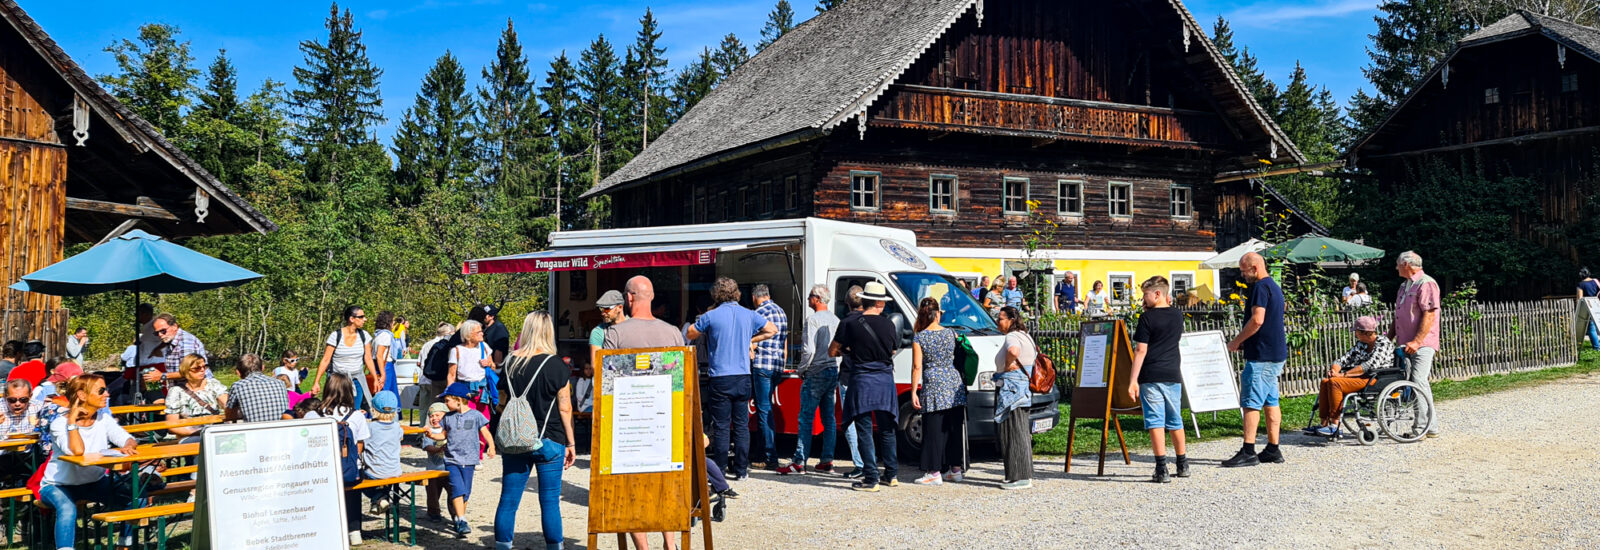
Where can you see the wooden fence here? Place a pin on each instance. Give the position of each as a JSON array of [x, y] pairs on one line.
[[1478, 339]]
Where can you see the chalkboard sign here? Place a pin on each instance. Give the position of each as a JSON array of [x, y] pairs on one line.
[[1209, 383], [1101, 393]]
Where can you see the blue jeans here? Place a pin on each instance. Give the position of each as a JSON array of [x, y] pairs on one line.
[[852, 436], [63, 498], [761, 383], [1594, 336], [1258, 384], [727, 407], [548, 461], [885, 445], [817, 393]]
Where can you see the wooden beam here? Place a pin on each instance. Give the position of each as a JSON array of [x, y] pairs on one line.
[[146, 208], [1311, 169], [1514, 140]]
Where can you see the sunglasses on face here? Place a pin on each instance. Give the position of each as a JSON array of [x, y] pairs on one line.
[[361, 316], [15, 400], [100, 391], [292, 360]]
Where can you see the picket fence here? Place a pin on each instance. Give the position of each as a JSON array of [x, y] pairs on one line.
[[1478, 339]]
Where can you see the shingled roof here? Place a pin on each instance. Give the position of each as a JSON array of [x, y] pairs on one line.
[[827, 71], [1578, 38], [145, 140]]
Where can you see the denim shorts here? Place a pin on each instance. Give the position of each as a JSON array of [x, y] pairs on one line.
[[1258, 384], [1161, 402], [460, 480]]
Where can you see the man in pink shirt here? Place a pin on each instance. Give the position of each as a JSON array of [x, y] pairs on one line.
[[1416, 326]]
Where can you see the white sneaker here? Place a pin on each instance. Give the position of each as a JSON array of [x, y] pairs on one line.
[[955, 474], [930, 478], [381, 506], [355, 538]]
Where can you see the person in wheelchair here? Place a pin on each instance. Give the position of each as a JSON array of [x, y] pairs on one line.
[[1352, 373]]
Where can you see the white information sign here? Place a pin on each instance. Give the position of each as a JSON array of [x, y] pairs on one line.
[[641, 425], [1208, 379], [270, 486], [1588, 311], [1092, 374]]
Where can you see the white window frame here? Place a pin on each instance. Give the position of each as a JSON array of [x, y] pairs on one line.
[[1059, 196], [1005, 199], [791, 192], [1188, 202], [1111, 200], [876, 192], [1111, 286], [1491, 95], [1172, 276], [955, 186]]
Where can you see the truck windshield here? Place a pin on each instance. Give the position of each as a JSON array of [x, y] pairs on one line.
[[961, 311]]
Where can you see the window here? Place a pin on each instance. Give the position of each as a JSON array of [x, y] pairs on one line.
[[1069, 198], [1182, 285], [1014, 196], [1121, 288], [699, 205], [791, 193], [1569, 82], [1491, 96], [769, 196], [1182, 202], [742, 203], [864, 190], [942, 193], [1120, 195]]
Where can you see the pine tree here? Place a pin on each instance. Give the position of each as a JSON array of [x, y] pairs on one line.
[[155, 76], [779, 22], [211, 134], [644, 80], [1412, 37], [337, 100], [730, 55], [559, 94], [510, 138], [433, 143], [220, 97], [602, 115], [825, 5], [1312, 120], [693, 83], [1246, 66]]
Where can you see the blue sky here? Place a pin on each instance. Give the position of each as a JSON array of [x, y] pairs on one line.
[[405, 36]]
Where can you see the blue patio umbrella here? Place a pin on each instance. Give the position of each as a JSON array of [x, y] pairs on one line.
[[136, 262]]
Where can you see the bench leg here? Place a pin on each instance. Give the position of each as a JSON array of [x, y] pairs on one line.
[[161, 534], [411, 504]]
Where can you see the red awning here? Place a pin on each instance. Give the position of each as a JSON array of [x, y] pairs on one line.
[[574, 259]]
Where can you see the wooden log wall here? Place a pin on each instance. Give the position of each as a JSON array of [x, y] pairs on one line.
[[33, 174], [756, 188]]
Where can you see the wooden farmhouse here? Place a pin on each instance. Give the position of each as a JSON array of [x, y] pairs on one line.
[[1520, 97], [77, 166], [974, 122]]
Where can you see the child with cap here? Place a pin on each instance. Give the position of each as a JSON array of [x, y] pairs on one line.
[[1157, 379], [434, 444], [381, 454], [464, 428]]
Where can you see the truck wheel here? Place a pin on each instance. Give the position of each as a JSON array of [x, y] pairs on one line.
[[910, 431]]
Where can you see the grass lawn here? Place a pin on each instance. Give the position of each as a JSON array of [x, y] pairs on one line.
[[1296, 411]]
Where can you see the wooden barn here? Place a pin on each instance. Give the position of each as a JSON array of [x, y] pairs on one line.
[[77, 166], [975, 122], [1518, 98]]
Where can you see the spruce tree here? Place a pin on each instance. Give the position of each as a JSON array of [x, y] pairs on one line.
[[730, 55], [433, 143], [211, 134], [602, 114], [219, 98], [1310, 118], [155, 76], [693, 83], [825, 5], [1245, 65], [559, 95], [336, 102], [644, 81], [1412, 37], [779, 22], [511, 140]]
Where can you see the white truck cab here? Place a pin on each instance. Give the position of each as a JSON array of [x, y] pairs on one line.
[[789, 256]]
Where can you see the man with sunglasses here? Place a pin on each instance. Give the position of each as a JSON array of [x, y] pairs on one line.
[[21, 417], [176, 343]]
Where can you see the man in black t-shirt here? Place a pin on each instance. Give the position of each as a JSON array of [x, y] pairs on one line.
[[1157, 379], [868, 343], [495, 334]]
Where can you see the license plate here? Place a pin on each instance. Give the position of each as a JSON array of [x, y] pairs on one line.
[[1043, 425]]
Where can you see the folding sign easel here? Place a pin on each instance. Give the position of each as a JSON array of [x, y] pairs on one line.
[[1105, 360]]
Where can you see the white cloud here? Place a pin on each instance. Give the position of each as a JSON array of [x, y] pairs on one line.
[[1272, 14]]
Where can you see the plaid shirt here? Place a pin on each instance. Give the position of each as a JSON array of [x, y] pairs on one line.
[[769, 352], [259, 398], [19, 424], [182, 345], [1379, 355]]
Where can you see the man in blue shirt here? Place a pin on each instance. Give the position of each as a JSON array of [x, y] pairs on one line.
[[1265, 351], [1067, 294], [1013, 295], [771, 358], [731, 332]]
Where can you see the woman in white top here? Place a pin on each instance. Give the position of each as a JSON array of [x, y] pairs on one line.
[[1098, 301], [469, 361], [385, 350], [347, 351], [339, 404], [87, 431]]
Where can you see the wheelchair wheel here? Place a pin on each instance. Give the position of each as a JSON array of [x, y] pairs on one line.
[[1349, 415], [1399, 412], [1367, 437]]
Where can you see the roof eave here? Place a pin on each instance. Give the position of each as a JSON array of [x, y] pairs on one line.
[[769, 144]]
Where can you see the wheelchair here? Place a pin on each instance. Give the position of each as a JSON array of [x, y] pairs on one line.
[[1391, 405]]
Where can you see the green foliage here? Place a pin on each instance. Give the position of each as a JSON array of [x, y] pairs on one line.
[[644, 84], [730, 55], [434, 145], [694, 82], [1244, 64], [779, 22], [825, 5], [155, 76], [1412, 37], [1315, 123], [512, 142], [337, 102]]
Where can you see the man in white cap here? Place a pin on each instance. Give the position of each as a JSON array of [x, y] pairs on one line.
[[610, 306], [870, 342]]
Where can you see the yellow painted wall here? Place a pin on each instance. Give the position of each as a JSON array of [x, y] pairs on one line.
[[1206, 284]]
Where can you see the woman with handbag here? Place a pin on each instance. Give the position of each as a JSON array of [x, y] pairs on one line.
[[1013, 367], [348, 352], [535, 384], [196, 397], [937, 390]]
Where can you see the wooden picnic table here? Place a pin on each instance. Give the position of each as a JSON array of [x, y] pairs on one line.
[[142, 453], [136, 409], [17, 443], [168, 424]]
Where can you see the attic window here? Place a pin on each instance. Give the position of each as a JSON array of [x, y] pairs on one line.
[[1569, 82], [1491, 96], [864, 190]]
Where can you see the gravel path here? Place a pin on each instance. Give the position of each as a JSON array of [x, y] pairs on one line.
[[1503, 474]]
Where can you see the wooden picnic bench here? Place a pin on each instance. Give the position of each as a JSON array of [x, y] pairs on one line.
[[14, 498], [402, 491], [141, 517]]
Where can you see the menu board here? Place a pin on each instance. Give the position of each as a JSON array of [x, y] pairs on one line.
[[642, 394], [270, 486], [1093, 370], [1208, 377]]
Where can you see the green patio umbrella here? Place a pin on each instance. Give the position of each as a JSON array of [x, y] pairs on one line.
[[1316, 249]]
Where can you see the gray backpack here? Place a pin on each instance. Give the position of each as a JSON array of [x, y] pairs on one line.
[[515, 435]]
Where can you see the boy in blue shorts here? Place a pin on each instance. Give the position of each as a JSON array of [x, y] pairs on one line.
[[1157, 381], [463, 426]]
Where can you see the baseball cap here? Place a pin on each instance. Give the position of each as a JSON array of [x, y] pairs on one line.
[[385, 401], [1365, 323], [458, 389], [64, 371], [609, 300], [438, 408]]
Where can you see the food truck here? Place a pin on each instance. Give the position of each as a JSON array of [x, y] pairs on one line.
[[789, 256]]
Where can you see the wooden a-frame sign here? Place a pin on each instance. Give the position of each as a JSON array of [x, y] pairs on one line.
[[1105, 360], [637, 482]]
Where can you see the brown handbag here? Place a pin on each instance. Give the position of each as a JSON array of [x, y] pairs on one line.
[[1043, 377]]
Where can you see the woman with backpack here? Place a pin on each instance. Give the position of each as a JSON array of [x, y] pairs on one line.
[[348, 353], [529, 437], [1013, 365], [386, 349], [338, 403], [937, 390]]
